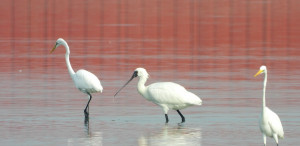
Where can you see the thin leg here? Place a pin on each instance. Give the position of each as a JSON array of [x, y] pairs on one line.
[[276, 138], [265, 139], [167, 119], [87, 125], [86, 110], [86, 121], [182, 117]]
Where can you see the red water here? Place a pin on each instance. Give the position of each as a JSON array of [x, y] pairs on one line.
[[213, 48]]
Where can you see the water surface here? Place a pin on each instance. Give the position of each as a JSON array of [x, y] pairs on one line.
[[211, 48]]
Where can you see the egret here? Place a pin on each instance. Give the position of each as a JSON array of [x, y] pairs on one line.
[[167, 95], [269, 122], [84, 80]]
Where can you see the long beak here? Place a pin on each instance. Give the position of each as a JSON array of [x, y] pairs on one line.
[[259, 72], [53, 49], [133, 76]]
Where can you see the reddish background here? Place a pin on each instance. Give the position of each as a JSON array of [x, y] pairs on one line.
[[246, 28]]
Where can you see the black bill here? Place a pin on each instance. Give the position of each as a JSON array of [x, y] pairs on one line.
[[135, 74]]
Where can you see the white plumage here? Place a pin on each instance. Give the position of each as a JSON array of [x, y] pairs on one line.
[[84, 80], [170, 95], [269, 122], [167, 95]]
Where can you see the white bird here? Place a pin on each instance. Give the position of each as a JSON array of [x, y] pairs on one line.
[[167, 95], [84, 80], [269, 122]]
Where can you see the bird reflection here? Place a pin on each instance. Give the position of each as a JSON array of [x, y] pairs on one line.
[[94, 139], [175, 136], [87, 124], [90, 138]]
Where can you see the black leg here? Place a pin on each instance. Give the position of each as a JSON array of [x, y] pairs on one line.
[[87, 125], [86, 121], [182, 117], [167, 119], [86, 110]]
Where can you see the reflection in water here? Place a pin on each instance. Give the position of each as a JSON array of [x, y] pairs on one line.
[[87, 124], [95, 139], [175, 136], [91, 139]]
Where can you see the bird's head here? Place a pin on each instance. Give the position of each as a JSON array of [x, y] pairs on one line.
[[59, 42], [262, 69], [139, 72]]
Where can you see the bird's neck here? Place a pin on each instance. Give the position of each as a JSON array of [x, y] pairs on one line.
[[264, 91], [70, 69], [141, 85]]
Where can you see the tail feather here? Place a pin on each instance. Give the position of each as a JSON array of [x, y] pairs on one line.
[[194, 99]]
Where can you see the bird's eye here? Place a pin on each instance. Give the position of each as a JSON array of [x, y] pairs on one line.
[[135, 74]]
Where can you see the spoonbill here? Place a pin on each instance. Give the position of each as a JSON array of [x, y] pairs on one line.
[[84, 80], [269, 122], [167, 95]]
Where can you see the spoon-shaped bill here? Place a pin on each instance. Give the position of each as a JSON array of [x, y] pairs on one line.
[[133, 76]]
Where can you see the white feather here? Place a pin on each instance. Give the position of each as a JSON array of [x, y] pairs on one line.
[[269, 122], [172, 95], [84, 80], [167, 95]]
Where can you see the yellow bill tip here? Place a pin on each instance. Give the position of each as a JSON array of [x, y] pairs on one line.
[[259, 72], [53, 49]]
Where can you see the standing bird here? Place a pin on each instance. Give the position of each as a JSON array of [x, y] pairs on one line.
[[167, 95], [269, 122], [84, 80]]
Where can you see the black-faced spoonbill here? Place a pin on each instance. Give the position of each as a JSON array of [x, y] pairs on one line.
[[167, 95], [269, 122], [84, 80]]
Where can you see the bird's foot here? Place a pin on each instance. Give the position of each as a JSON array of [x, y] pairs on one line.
[[86, 114], [86, 120], [181, 124]]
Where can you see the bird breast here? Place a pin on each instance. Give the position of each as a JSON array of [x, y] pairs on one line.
[[270, 123], [87, 82]]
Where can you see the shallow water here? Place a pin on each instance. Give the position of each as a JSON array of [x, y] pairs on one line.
[[42, 107], [213, 48]]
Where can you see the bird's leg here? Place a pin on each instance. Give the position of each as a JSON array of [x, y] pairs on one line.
[[86, 120], [86, 110], [182, 117], [87, 125], [275, 136], [265, 139], [167, 119]]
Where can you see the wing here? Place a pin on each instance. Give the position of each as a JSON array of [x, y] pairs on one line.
[[275, 123], [171, 93], [87, 82]]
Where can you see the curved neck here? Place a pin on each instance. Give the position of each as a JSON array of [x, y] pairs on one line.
[[141, 85], [264, 90], [70, 69]]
